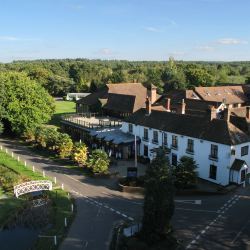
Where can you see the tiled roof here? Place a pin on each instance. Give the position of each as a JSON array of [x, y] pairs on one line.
[[193, 106], [120, 103], [121, 97], [229, 94], [219, 131], [94, 97]]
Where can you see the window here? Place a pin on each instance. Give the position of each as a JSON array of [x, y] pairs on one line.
[[174, 141], [174, 159], [165, 139], [146, 150], [214, 151], [130, 128], [145, 137], [244, 150], [155, 136], [190, 145], [212, 172]]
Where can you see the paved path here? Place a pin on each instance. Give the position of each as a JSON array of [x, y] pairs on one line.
[[99, 205]]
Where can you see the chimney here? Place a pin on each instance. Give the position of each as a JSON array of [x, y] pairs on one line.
[[148, 106], [213, 113], [168, 104], [153, 94], [248, 113], [227, 113], [181, 109]]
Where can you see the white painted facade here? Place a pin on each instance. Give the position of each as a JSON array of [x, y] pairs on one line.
[[201, 153]]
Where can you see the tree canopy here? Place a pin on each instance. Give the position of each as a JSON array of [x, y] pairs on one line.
[[79, 75], [25, 104]]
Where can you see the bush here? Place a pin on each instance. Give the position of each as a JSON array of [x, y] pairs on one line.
[[64, 145], [185, 173], [80, 154], [98, 162]]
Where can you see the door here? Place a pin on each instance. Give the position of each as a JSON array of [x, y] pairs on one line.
[[145, 150], [174, 159]]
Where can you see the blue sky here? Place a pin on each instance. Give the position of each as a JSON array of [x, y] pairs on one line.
[[125, 29]]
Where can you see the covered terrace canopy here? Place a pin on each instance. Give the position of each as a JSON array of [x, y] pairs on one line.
[[116, 136]]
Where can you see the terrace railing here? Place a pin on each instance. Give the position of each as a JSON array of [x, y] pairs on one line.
[[74, 119]]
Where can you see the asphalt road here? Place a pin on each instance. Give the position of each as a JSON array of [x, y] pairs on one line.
[[200, 222]]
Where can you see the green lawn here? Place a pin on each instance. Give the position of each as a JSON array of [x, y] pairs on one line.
[[62, 108], [61, 207]]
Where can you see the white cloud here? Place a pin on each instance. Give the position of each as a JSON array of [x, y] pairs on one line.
[[9, 38], [231, 41], [14, 38], [105, 52], [206, 48], [152, 29]]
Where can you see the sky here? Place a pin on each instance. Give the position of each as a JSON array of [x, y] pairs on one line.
[[209, 30]]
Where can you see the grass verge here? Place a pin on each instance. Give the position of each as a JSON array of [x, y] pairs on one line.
[[62, 108], [61, 205]]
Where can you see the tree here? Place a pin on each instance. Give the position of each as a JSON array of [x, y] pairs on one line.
[[185, 173], [51, 138], [80, 154], [98, 162], [197, 76], [159, 200], [64, 145], [1, 128], [27, 105], [247, 80]]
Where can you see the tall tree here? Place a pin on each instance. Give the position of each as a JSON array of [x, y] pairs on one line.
[[185, 173], [159, 200], [26, 103]]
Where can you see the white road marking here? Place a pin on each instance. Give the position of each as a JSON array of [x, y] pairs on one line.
[[72, 178], [240, 232], [100, 205], [195, 202], [228, 204], [196, 210], [124, 199]]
